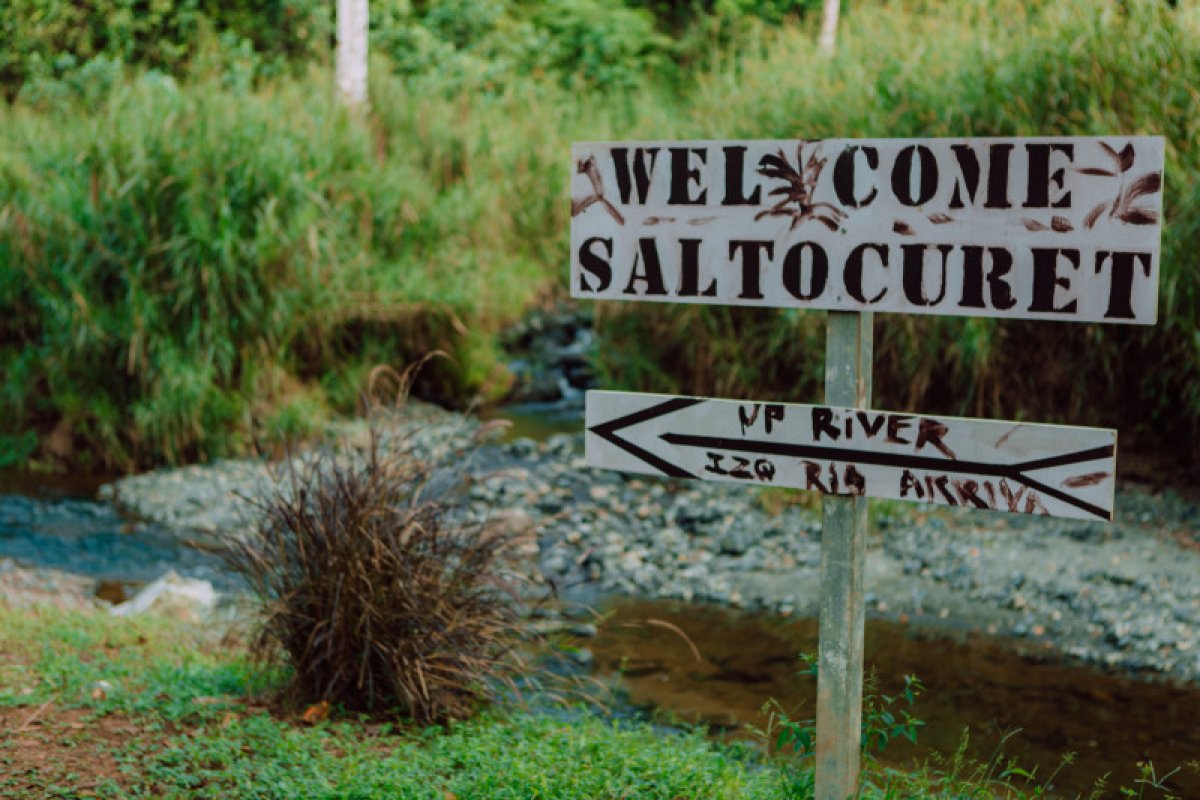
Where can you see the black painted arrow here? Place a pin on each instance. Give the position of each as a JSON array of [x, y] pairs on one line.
[[1016, 472]]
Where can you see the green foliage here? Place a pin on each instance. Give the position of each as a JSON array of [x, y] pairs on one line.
[[977, 69], [208, 255], [882, 720], [210, 737], [48, 39]]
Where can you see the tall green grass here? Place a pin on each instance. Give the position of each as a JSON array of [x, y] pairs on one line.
[[184, 270], [189, 269]]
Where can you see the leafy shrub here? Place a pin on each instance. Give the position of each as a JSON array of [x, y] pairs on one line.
[[378, 595], [45, 39]]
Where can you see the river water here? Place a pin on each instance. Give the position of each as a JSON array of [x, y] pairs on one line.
[[981, 686]]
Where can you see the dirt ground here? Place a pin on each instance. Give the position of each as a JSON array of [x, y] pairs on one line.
[[49, 749]]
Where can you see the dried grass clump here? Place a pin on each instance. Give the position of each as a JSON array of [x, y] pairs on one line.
[[380, 599]]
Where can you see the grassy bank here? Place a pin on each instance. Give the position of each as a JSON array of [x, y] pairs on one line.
[[94, 706], [201, 261], [97, 706]]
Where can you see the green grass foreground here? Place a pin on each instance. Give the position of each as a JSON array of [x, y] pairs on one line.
[[201, 728], [198, 261], [93, 706]]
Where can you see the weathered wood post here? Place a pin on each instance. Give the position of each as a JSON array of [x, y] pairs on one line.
[[351, 58], [829, 23], [848, 352]]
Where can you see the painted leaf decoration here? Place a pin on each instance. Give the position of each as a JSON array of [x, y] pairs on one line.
[[827, 222], [1108, 173], [1150, 183], [1139, 216], [658, 220], [579, 206], [813, 161], [774, 166], [780, 190], [1094, 215], [1125, 157], [902, 228], [1111, 153], [612, 211], [1033, 225], [1090, 479], [940, 219], [1061, 224], [592, 170], [701, 220]]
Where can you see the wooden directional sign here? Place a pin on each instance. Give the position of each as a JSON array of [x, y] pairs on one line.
[[1007, 466], [1037, 228]]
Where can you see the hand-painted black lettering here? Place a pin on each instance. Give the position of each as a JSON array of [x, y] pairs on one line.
[[968, 493], [822, 423], [931, 432], [765, 470], [643, 167], [774, 414], [870, 426], [747, 418], [812, 477], [853, 274], [1120, 286], [689, 270], [741, 468], [1046, 279], [596, 265], [997, 179], [843, 175], [967, 181], [682, 175], [926, 175], [856, 483], [735, 170], [914, 273], [793, 269], [714, 464], [752, 251], [895, 424], [910, 483], [652, 276], [1041, 178]]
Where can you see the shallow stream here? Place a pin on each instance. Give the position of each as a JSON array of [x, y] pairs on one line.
[[983, 686]]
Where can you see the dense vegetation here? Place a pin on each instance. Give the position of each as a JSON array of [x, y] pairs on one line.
[[200, 253]]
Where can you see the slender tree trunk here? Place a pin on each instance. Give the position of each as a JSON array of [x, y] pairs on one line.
[[352, 52], [829, 26]]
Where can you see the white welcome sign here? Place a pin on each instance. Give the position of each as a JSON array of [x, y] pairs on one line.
[[1035, 228]]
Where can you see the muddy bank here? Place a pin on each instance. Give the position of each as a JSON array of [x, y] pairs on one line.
[[1123, 595]]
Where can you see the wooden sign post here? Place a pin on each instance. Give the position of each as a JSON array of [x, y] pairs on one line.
[[848, 353], [1035, 228]]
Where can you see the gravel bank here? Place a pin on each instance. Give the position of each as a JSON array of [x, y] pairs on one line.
[[1123, 595]]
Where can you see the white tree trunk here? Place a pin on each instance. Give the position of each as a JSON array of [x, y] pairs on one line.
[[829, 26], [352, 52]]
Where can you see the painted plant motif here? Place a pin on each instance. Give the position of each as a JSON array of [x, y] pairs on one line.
[[589, 168], [800, 182], [1122, 206]]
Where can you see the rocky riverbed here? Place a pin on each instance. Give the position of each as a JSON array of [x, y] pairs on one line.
[[1122, 595]]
